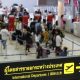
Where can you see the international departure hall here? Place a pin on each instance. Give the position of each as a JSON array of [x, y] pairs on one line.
[[39, 39]]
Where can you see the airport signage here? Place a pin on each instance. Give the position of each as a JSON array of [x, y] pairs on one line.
[[49, 69]]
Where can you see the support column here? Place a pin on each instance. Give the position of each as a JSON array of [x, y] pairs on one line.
[[60, 11], [60, 7]]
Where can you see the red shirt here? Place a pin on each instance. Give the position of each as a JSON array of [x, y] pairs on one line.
[[50, 18], [37, 16], [11, 19], [25, 19], [11, 26]]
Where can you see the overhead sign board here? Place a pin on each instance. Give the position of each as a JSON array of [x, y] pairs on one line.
[[50, 69]]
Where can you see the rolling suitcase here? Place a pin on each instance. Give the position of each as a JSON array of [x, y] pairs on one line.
[[45, 53]]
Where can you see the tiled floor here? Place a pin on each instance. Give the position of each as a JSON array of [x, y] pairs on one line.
[[14, 52]]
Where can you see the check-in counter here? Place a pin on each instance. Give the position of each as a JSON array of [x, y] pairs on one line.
[[76, 28], [68, 26]]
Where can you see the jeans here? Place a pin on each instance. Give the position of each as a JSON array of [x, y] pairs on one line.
[[4, 43]]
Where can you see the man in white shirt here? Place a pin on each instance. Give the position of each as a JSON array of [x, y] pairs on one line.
[[4, 36]]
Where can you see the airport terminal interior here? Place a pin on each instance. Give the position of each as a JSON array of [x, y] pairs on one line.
[[39, 29]]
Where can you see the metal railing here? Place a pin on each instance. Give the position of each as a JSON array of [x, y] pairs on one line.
[[16, 47], [73, 45]]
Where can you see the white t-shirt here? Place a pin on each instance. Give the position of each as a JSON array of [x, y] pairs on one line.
[[58, 41], [4, 34], [5, 19], [54, 21], [44, 15], [37, 38], [19, 26], [43, 29]]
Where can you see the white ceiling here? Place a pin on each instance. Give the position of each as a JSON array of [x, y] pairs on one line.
[[27, 3]]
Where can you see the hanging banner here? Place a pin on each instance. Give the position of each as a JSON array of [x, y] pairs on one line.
[[50, 69], [75, 3], [66, 1]]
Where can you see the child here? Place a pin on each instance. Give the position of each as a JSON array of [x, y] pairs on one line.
[[64, 52]]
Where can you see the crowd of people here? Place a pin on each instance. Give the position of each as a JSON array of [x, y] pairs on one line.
[[40, 30]]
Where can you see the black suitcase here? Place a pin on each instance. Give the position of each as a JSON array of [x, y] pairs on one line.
[[45, 53], [14, 36], [20, 40]]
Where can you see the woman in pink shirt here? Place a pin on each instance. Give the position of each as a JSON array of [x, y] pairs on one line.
[[63, 22]]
